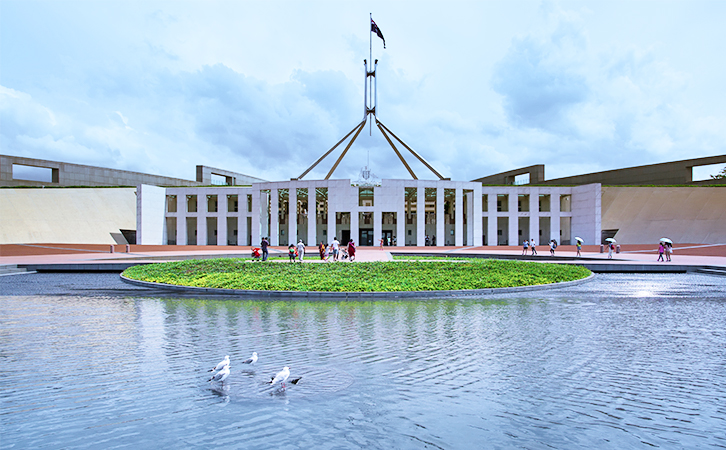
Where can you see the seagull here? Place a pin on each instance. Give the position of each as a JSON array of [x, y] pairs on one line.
[[281, 376], [251, 360], [222, 363], [221, 375]]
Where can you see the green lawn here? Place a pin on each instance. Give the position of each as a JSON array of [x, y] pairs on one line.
[[229, 273]]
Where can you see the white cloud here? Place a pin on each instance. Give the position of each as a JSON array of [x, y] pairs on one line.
[[264, 89]]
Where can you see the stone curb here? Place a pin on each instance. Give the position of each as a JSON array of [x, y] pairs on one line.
[[301, 295]]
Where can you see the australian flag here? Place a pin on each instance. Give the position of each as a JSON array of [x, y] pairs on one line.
[[375, 29]]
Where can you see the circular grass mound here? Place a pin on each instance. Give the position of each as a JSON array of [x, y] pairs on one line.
[[403, 276]]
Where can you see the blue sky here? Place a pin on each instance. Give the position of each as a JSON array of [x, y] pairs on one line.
[[265, 88]]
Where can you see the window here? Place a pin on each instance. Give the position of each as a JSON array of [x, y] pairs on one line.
[[365, 196]]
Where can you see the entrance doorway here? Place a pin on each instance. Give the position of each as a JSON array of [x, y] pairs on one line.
[[366, 236], [387, 237], [344, 237]]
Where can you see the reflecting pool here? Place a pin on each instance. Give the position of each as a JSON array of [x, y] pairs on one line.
[[621, 362]]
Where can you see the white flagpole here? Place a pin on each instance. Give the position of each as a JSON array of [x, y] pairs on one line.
[[370, 55]]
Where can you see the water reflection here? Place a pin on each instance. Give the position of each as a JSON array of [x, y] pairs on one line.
[[553, 370]]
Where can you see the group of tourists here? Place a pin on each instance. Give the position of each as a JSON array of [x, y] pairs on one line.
[[336, 252], [296, 252], [531, 243], [527, 244]]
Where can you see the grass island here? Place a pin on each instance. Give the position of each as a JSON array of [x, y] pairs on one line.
[[394, 276]]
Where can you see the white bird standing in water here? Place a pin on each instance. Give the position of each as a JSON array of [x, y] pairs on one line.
[[221, 375], [251, 360], [281, 376], [222, 363]]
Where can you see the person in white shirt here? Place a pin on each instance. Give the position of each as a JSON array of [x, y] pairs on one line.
[[300, 250], [336, 248]]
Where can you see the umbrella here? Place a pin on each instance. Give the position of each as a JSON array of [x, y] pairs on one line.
[[666, 240], [579, 239], [610, 240]]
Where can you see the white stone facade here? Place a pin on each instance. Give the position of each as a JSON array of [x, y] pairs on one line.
[[454, 213]]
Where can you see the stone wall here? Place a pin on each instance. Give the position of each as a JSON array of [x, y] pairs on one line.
[[642, 215], [66, 215]]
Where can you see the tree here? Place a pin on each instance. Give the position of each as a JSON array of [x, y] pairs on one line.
[[721, 175]]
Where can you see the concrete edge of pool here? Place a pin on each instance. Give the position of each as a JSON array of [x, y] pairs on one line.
[[294, 295]]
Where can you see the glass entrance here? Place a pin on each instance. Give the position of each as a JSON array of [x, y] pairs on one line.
[[366, 236]]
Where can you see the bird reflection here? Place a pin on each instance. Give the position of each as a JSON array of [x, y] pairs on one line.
[[221, 391]]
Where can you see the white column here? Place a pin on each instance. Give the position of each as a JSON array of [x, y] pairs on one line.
[[376, 218], [440, 225], [181, 219], [274, 215], [354, 226], [150, 214], [492, 237], [242, 225], [513, 215], [331, 221], [202, 218], [471, 219], [292, 216], [222, 202], [458, 217], [312, 216], [257, 216], [401, 219], [555, 220], [533, 215], [420, 216], [181, 229]]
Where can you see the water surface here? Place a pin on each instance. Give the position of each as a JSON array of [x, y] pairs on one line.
[[622, 362]]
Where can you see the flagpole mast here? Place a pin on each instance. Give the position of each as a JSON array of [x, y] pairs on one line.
[[370, 55]]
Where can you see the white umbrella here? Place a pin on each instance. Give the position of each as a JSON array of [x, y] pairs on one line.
[[579, 239], [666, 240], [610, 240]]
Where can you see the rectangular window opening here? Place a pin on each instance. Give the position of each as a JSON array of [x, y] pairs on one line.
[[219, 180], [699, 173], [521, 179], [33, 173]]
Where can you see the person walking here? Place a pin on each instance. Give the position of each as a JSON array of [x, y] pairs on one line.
[[351, 250], [553, 246], [611, 247], [291, 253], [661, 250], [321, 250], [300, 250], [525, 247], [264, 245], [326, 253], [579, 247], [336, 248], [533, 244], [668, 251]]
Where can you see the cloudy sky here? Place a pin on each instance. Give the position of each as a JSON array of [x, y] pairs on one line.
[[266, 87]]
